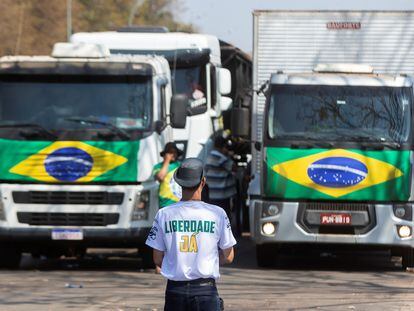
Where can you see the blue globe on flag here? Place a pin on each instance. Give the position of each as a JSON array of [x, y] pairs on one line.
[[68, 164]]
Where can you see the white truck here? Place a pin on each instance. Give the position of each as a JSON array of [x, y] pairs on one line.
[[332, 126], [196, 71], [79, 132]]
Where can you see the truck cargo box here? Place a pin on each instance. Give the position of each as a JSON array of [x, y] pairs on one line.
[[296, 41]]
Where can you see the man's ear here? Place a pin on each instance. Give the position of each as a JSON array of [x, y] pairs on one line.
[[203, 182]]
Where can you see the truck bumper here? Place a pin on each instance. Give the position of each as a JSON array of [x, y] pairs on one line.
[[27, 222], [383, 232], [32, 237]]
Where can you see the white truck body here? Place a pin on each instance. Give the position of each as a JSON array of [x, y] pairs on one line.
[[77, 209], [201, 125], [297, 41], [293, 204]]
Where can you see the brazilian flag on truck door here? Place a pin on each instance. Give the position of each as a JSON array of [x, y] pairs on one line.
[[338, 174], [68, 161]]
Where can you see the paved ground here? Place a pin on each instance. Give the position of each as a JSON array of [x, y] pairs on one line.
[[303, 282]]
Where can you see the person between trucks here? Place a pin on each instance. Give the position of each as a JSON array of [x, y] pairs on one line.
[[170, 191], [219, 175], [189, 240]]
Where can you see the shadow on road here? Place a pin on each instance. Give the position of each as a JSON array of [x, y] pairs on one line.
[[319, 259], [245, 259], [114, 260]]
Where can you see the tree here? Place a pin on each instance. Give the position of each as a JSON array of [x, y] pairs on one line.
[[117, 13], [29, 26], [32, 26]]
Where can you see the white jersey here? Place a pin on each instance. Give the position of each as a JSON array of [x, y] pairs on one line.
[[190, 234]]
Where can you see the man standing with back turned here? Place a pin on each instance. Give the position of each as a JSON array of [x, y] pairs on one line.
[[190, 238]]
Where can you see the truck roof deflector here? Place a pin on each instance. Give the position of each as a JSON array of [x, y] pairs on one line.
[[80, 50], [344, 68]]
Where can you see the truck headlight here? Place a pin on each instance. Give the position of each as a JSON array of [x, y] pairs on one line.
[[269, 228], [140, 210], [404, 231], [270, 209], [403, 211]]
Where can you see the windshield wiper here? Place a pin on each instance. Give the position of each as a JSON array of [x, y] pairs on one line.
[[31, 125], [309, 144], [379, 143], [299, 141], [121, 133], [307, 141]]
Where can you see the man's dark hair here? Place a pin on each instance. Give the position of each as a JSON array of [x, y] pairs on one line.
[[191, 189]]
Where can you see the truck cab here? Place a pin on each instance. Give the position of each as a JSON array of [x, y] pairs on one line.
[[80, 131], [196, 71], [336, 162]]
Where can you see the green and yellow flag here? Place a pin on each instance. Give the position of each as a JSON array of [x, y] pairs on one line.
[[170, 191], [68, 161], [338, 174]]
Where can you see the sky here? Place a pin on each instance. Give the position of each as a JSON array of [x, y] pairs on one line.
[[231, 20]]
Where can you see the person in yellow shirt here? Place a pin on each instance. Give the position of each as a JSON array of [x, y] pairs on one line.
[[170, 191]]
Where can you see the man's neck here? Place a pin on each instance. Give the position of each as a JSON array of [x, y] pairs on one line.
[[191, 198], [195, 196]]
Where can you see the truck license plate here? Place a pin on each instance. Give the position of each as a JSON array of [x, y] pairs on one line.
[[67, 234], [336, 219]]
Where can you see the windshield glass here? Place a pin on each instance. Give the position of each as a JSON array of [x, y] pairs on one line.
[[340, 113], [50, 101], [190, 81]]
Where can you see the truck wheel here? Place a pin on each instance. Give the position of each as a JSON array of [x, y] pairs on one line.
[[10, 258], [267, 255], [145, 253], [238, 221], [246, 224], [408, 258]]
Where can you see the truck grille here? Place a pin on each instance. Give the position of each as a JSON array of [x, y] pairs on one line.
[[68, 219], [68, 197], [334, 206]]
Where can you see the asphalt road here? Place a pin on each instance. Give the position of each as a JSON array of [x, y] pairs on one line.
[[113, 281]]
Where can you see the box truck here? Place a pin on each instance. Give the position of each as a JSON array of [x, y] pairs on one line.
[[332, 127]]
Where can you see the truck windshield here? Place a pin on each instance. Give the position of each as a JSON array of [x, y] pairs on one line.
[[190, 81], [53, 101], [340, 113]]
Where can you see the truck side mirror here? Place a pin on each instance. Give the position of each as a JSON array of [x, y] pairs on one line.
[[224, 76], [178, 111], [240, 120]]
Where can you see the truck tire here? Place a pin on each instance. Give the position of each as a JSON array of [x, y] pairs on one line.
[[237, 220], [267, 255], [246, 224], [10, 258], [147, 261], [407, 258]]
